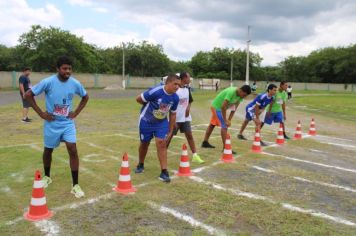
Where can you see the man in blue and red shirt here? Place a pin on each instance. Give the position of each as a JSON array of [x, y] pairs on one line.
[[158, 102]]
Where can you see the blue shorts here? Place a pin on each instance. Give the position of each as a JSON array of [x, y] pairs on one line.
[[148, 130], [250, 114], [217, 118], [276, 117], [55, 132]]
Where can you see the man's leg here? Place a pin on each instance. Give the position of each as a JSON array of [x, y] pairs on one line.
[[190, 139], [142, 151], [47, 160], [73, 161], [223, 133], [208, 132], [169, 138], [243, 127], [162, 157], [25, 113]]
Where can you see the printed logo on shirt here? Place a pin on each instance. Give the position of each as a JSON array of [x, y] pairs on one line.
[[183, 101], [162, 112], [61, 110]]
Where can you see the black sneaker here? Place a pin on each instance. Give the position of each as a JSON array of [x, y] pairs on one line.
[[164, 176], [139, 169], [26, 120], [206, 144], [263, 144], [240, 136], [286, 137]]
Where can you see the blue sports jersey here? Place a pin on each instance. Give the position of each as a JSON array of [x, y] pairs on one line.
[[59, 95], [158, 104], [262, 100]]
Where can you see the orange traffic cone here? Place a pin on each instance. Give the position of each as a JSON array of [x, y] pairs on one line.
[[280, 135], [227, 155], [184, 166], [298, 131], [256, 146], [38, 207], [312, 129], [124, 185]]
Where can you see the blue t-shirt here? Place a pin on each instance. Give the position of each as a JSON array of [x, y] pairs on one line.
[[59, 95], [262, 100], [158, 104]]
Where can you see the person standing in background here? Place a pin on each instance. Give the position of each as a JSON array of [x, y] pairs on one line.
[[24, 85], [289, 92]]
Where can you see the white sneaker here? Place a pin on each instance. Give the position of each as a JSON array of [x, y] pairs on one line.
[[77, 191], [46, 181]]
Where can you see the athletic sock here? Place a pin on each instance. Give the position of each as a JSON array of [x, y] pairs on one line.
[[75, 177], [47, 171], [164, 171], [140, 165]]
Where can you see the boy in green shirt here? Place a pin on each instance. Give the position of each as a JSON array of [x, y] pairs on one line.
[[276, 111], [228, 98]]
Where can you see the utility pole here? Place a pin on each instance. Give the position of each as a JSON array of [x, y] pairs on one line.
[[248, 57], [123, 61]]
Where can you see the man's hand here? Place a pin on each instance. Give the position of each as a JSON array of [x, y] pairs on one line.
[[228, 123], [72, 115], [187, 113], [46, 116], [258, 122]]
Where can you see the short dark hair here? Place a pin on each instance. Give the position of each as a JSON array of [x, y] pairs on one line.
[[183, 74], [282, 83], [26, 69], [246, 88], [271, 86], [171, 77], [63, 60]]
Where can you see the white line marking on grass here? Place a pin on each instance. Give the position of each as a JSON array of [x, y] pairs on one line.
[[326, 184], [263, 169], [179, 137], [349, 189], [87, 158], [342, 139], [48, 227], [18, 145], [100, 147], [36, 147], [284, 205], [340, 145], [311, 162], [315, 150], [186, 218]]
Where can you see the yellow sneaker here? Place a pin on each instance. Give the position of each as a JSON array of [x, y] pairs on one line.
[[197, 159], [46, 181], [77, 191]]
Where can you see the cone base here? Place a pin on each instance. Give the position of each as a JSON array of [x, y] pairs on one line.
[[297, 138], [280, 143], [256, 151], [29, 217], [227, 160], [312, 134], [185, 174], [124, 191]]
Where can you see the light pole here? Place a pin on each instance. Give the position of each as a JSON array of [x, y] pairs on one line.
[[248, 56], [123, 61]]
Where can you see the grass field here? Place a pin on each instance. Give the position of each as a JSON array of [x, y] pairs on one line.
[[305, 187]]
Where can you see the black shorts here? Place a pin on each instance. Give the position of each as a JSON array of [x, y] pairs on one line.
[[25, 103], [183, 127]]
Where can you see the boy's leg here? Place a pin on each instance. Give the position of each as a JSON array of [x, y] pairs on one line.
[[243, 126], [161, 152], [47, 160], [169, 138], [208, 132], [142, 151], [74, 161]]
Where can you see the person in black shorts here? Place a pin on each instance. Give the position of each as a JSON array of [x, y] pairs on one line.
[[24, 85]]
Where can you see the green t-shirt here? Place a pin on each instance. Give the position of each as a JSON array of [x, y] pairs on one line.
[[228, 94], [279, 98]]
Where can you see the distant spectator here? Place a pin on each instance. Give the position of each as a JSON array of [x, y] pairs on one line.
[[216, 86], [24, 85], [254, 87], [289, 92]]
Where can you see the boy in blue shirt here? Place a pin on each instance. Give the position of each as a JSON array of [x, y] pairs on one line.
[[158, 102], [59, 117], [255, 108]]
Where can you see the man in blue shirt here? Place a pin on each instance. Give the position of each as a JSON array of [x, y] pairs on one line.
[[24, 85], [255, 108], [59, 125], [158, 102]]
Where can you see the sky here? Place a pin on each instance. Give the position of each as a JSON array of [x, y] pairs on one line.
[[279, 28]]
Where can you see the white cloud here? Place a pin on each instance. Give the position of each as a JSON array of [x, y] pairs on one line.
[[105, 39], [100, 9], [82, 3], [16, 17]]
